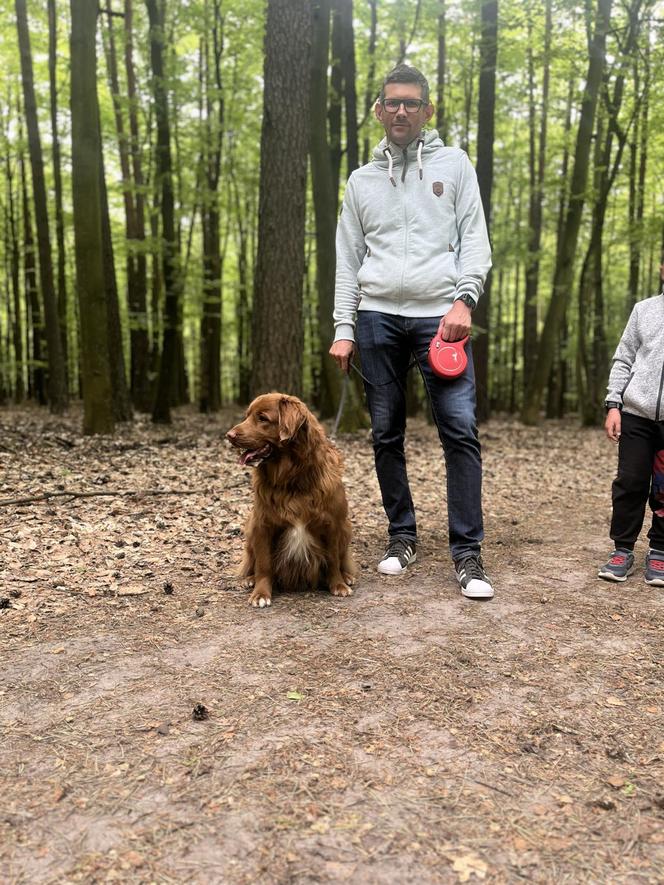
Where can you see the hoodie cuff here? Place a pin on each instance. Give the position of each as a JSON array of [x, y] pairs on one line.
[[344, 332]]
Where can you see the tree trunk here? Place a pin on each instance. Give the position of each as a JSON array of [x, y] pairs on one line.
[[36, 373], [134, 201], [57, 379], [167, 379], [485, 137], [122, 410], [349, 74], [210, 399], [87, 200], [277, 331], [14, 260], [441, 122], [537, 164], [370, 91], [637, 179], [57, 180], [565, 265]]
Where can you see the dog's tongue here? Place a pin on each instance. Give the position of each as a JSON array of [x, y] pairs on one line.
[[250, 457]]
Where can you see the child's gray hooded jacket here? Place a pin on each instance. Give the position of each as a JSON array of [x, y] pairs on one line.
[[411, 236], [637, 376]]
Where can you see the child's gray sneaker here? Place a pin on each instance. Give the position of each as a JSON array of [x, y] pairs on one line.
[[618, 567], [398, 556], [655, 568]]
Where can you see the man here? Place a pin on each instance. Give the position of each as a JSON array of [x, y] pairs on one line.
[[412, 257], [635, 420]]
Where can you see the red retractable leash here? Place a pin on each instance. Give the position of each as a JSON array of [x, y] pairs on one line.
[[447, 358]]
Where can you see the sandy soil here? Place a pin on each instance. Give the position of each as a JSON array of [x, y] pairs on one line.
[[403, 735]]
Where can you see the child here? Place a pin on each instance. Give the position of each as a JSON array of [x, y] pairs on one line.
[[635, 420]]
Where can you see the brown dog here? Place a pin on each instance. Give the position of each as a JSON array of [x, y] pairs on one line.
[[297, 534]]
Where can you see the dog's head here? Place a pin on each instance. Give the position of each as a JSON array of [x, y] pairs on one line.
[[272, 422]]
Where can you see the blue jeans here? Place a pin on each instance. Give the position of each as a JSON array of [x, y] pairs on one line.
[[386, 344]]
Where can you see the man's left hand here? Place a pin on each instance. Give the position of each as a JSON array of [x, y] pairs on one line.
[[456, 323]]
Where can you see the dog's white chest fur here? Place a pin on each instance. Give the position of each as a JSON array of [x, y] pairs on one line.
[[298, 543]]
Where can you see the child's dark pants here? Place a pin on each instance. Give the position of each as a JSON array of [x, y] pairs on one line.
[[640, 440]]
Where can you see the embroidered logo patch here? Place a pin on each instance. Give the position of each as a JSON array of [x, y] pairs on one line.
[[438, 188]]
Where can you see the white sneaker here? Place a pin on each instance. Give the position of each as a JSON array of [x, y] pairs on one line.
[[398, 556], [473, 579]]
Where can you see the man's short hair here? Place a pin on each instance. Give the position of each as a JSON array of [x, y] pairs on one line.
[[406, 74]]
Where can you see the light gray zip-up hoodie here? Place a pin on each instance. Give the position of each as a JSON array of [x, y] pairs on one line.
[[637, 375], [411, 236]]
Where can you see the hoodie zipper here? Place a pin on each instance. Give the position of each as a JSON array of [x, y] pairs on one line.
[[405, 226], [658, 407]]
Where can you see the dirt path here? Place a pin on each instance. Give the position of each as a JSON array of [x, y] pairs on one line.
[[404, 735]]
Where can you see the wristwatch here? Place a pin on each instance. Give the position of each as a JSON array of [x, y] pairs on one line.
[[467, 300], [611, 404]]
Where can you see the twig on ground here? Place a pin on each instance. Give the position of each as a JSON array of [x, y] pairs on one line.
[[71, 495]]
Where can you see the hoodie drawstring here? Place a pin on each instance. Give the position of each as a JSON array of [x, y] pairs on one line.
[[390, 161], [420, 145], [390, 165]]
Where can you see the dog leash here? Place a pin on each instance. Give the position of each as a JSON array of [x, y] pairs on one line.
[[344, 390]]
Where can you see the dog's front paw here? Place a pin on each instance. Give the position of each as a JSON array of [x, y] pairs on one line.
[[247, 581], [262, 596], [348, 578], [341, 589]]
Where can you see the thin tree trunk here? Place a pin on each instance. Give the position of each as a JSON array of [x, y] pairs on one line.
[[565, 265], [210, 399], [349, 74], [34, 323], [485, 138], [137, 277], [14, 260], [537, 164], [441, 121], [370, 91], [168, 364], [57, 380], [98, 414], [57, 179]]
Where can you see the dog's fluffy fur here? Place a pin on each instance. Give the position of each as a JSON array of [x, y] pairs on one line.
[[298, 532]]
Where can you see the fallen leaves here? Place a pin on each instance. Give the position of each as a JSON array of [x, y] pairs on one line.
[[469, 865]]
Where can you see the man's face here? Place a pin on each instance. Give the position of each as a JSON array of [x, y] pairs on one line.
[[402, 126]]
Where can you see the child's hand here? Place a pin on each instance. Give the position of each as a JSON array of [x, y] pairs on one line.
[[612, 424]]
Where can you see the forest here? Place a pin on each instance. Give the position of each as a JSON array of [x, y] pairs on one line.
[[173, 172]]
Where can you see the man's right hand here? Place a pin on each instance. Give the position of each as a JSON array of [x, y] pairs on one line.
[[342, 353], [612, 424]]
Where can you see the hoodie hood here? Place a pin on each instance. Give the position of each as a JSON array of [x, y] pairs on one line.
[[387, 155]]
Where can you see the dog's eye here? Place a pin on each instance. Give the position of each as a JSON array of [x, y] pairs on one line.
[[263, 419]]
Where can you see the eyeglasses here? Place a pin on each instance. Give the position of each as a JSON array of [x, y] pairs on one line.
[[411, 105]]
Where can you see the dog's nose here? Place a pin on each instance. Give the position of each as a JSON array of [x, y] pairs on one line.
[[230, 436]]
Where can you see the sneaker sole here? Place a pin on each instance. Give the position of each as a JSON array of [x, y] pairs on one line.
[[483, 594], [609, 576], [655, 582], [396, 574]]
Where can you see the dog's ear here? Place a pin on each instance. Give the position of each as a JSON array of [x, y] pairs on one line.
[[292, 416]]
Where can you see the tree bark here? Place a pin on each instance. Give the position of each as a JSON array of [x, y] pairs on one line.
[[57, 179], [325, 190], [167, 379], [537, 165], [564, 271], [277, 331], [485, 139], [14, 260], [441, 122], [57, 379], [87, 200]]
